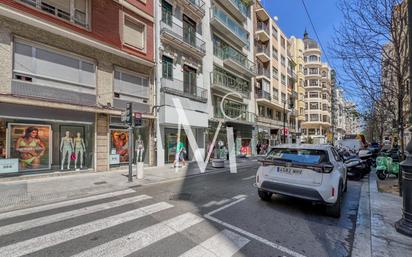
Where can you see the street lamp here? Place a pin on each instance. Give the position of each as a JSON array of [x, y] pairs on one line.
[[404, 225]]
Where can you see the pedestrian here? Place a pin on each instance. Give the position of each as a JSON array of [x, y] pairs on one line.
[[258, 146], [180, 154]]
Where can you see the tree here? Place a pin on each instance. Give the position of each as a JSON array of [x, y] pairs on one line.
[[371, 43]]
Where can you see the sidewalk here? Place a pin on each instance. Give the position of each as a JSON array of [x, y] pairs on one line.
[[375, 234], [16, 193]]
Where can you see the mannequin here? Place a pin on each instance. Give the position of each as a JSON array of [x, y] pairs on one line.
[[139, 149], [66, 147], [79, 149]]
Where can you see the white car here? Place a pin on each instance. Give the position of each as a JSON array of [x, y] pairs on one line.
[[312, 172]]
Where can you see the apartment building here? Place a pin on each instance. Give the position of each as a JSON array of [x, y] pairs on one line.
[[181, 40], [338, 113], [352, 121], [297, 49], [68, 69], [317, 93], [275, 87], [231, 71]]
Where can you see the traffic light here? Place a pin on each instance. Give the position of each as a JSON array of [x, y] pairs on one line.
[[137, 119], [129, 114]]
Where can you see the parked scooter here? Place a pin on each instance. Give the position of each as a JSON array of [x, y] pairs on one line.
[[357, 166], [387, 164]]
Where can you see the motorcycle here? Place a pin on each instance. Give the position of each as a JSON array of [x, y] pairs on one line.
[[387, 164], [357, 165]]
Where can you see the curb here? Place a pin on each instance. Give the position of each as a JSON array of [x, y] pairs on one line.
[[362, 243]]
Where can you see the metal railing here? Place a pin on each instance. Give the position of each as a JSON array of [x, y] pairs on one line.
[[229, 53], [261, 48], [263, 94], [179, 87], [198, 3], [239, 85], [179, 32], [261, 71], [262, 26], [241, 7], [77, 16], [219, 14], [235, 113]]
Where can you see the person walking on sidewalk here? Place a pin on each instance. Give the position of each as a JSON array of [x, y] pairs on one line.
[[180, 154]]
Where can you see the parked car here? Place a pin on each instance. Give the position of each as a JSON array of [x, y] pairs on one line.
[[311, 172]]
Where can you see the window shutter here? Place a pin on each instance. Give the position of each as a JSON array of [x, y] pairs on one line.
[[134, 34]]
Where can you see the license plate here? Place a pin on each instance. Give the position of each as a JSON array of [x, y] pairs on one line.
[[290, 171]]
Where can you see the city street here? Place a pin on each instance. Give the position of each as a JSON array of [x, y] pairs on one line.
[[211, 215]]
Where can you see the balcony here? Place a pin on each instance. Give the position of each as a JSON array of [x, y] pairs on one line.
[[73, 15], [180, 88], [235, 60], [175, 35], [223, 23], [263, 72], [262, 31], [262, 94], [262, 53], [233, 114], [237, 9], [228, 84], [194, 7], [270, 121], [262, 14]]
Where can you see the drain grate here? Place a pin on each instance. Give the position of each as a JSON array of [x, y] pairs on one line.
[[181, 196], [100, 183]]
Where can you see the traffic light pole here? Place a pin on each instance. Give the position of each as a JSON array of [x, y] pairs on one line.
[[131, 152]]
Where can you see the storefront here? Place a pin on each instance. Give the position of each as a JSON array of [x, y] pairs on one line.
[[119, 139], [42, 139]]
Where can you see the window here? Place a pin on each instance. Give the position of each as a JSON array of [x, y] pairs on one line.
[[283, 60], [275, 73], [283, 42], [313, 71], [130, 83], [323, 96], [269, 113], [167, 67], [134, 33], [314, 83], [44, 64], [189, 80], [283, 79], [74, 11], [275, 53], [313, 95], [189, 30], [313, 58], [275, 32], [283, 97], [306, 117], [275, 93], [314, 117], [261, 111], [314, 106], [324, 107], [167, 13], [306, 106]]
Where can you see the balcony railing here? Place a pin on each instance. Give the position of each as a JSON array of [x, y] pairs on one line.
[[222, 80], [231, 24], [261, 71], [75, 16], [198, 4], [179, 33], [241, 7], [229, 53], [263, 94], [180, 88], [260, 48], [263, 26], [234, 113]]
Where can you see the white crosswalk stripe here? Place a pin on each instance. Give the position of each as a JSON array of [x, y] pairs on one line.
[[51, 239], [133, 242], [44, 220], [62, 204], [224, 244]]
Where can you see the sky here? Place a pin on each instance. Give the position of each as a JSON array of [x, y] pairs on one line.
[[293, 21]]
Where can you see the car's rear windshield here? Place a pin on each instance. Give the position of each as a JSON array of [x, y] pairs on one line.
[[305, 156]]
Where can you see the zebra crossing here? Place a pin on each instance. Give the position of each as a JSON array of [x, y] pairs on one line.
[[123, 221]]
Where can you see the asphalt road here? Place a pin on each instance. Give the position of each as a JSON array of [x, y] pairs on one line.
[[212, 215]]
